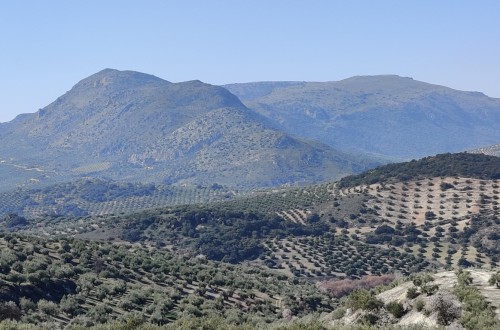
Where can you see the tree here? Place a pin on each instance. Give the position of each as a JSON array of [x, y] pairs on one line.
[[70, 305], [13, 220], [48, 307], [423, 282], [9, 310]]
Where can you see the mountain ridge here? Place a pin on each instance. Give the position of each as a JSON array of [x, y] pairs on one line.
[[140, 128], [388, 115]]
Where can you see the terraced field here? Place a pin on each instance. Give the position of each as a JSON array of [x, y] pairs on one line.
[[441, 208], [105, 282], [337, 256], [43, 202]]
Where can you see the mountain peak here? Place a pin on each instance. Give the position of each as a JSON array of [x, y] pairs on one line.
[[113, 78], [376, 77]]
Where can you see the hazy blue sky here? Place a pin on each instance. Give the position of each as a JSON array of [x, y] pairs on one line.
[[48, 46]]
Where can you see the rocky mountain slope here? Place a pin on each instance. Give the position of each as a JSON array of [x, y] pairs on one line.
[[136, 127], [387, 115], [493, 150]]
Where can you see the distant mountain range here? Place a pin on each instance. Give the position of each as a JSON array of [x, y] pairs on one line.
[[387, 115], [131, 126], [134, 127]]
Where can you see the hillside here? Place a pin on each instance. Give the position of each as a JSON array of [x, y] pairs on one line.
[[461, 164], [70, 283], [134, 127], [386, 115], [74, 284], [458, 300], [94, 197], [437, 216], [280, 256], [431, 219]]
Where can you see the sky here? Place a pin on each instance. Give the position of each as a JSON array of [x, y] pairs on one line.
[[46, 47]]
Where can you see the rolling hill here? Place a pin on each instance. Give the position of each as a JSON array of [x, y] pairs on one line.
[[262, 254], [435, 216], [135, 127], [387, 115]]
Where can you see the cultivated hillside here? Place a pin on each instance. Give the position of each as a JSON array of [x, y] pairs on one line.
[[70, 284], [387, 115], [446, 218], [135, 127], [98, 197], [261, 254]]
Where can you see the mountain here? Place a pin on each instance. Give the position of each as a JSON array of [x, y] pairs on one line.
[[131, 126], [387, 115], [493, 150]]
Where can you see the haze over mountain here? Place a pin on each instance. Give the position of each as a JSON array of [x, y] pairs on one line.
[[387, 114], [132, 126]]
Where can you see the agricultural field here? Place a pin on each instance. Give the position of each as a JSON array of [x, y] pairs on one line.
[[441, 209], [337, 256], [91, 283], [99, 197]]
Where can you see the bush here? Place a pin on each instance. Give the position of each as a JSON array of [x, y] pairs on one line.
[[368, 319], [412, 293], [419, 305], [423, 283], [396, 309], [363, 299], [447, 307], [340, 288], [338, 313], [495, 280]]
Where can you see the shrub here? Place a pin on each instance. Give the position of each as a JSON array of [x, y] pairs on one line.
[[338, 313], [412, 293], [396, 309], [495, 280], [423, 282], [363, 299], [368, 319], [340, 288], [419, 305], [446, 305]]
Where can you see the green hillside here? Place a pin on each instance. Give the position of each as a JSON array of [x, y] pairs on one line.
[[444, 165]]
